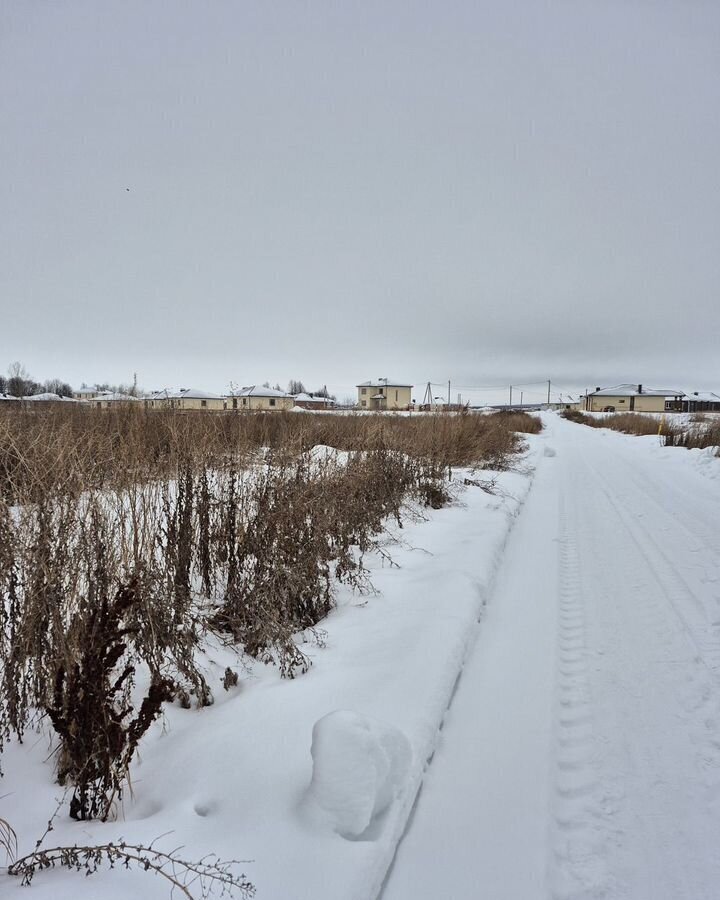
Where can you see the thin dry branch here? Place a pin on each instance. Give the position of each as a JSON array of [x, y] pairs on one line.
[[208, 877]]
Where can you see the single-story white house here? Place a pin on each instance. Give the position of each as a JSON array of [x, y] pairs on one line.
[[308, 401], [184, 398], [701, 401], [254, 398], [632, 398], [87, 393], [109, 399], [47, 397]]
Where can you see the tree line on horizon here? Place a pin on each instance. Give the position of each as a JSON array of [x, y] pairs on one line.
[[19, 383]]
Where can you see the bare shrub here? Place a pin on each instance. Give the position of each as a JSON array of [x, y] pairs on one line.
[[91, 706], [8, 839]]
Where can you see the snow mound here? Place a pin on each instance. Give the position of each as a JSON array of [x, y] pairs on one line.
[[360, 766], [321, 453]]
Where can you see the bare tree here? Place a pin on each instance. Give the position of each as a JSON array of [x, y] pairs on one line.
[[296, 387], [56, 386], [19, 381], [323, 392]]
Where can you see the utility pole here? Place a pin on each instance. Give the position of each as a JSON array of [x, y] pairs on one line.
[[448, 394], [521, 397], [548, 392], [510, 395]]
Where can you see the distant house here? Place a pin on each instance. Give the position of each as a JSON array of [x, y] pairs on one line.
[[633, 398], [191, 398], [701, 401], [8, 398], [562, 405], [259, 398], [87, 393], [184, 398], [307, 401], [109, 399], [156, 400], [47, 398], [384, 394]]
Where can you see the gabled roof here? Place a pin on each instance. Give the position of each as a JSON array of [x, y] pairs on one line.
[[308, 398], [157, 395], [194, 394], [49, 397], [112, 396], [631, 390], [385, 382], [254, 391], [182, 394], [702, 397]]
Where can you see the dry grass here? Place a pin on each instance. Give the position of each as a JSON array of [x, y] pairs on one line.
[[627, 423], [126, 534], [702, 433], [71, 449]]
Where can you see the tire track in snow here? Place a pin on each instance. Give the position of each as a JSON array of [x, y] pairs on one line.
[[687, 606], [656, 713], [577, 868], [697, 613]]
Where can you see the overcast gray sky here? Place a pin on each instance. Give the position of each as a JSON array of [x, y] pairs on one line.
[[492, 192]]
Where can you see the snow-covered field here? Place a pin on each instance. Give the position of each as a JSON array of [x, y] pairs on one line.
[[542, 660], [235, 779]]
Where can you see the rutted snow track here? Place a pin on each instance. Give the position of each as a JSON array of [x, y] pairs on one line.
[[581, 757]]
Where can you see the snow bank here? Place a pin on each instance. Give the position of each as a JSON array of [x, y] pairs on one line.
[[360, 765]]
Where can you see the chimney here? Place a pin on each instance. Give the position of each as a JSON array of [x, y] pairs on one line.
[[639, 389], [695, 393], [597, 389]]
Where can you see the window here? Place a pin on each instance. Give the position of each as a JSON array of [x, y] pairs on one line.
[[234, 402], [621, 400], [364, 402], [272, 401], [396, 396], [363, 391], [203, 403], [244, 401]]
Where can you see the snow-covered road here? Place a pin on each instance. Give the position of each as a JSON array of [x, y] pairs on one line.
[[581, 755], [578, 601]]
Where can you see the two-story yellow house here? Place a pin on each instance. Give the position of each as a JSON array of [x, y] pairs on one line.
[[384, 394]]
